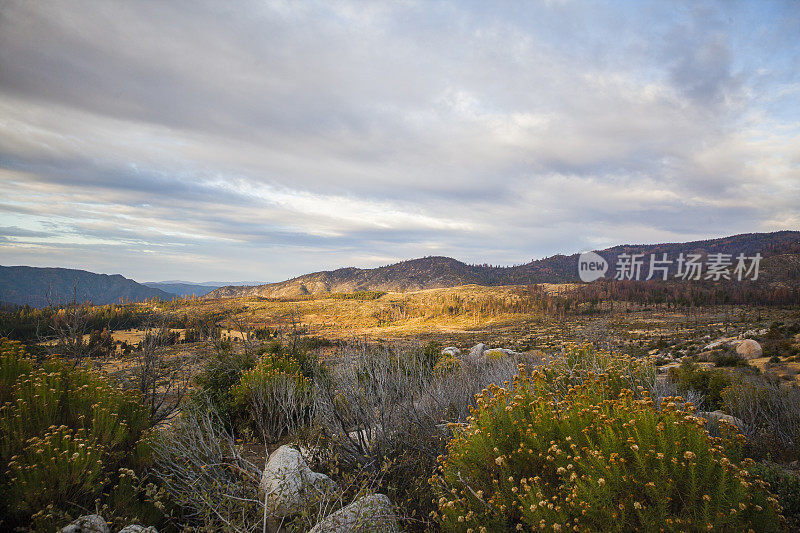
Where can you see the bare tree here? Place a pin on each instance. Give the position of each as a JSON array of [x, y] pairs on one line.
[[162, 380]]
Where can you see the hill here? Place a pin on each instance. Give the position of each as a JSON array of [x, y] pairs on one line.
[[179, 288], [781, 250], [39, 287]]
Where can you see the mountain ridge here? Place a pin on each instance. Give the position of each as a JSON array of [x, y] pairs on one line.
[[441, 272], [183, 289], [44, 286]]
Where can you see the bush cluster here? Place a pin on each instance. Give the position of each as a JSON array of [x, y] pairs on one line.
[[590, 458], [65, 432], [708, 382], [274, 395], [771, 415], [785, 483]]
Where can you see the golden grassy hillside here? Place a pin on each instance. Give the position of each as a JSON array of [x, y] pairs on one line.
[[392, 314]]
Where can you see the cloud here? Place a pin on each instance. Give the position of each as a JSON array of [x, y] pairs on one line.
[[195, 140]]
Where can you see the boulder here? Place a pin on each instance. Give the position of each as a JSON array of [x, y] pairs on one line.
[[135, 528], [477, 351], [452, 351], [749, 349], [90, 523], [719, 343], [289, 485], [371, 513], [713, 417], [497, 353]]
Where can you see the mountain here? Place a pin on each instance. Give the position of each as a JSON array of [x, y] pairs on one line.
[[781, 251], [182, 288], [39, 287], [214, 284]]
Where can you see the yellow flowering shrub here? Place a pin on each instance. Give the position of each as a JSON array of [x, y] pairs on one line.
[[446, 365], [13, 363], [275, 395], [536, 458], [577, 362], [64, 432]]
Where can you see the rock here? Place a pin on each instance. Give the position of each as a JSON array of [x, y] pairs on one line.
[[664, 369], [477, 351], [749, 349], [289, 484], [452, 351], [719, 343], [371, 513], [135, 528], [497, 353], [714, 417], [90, 523]]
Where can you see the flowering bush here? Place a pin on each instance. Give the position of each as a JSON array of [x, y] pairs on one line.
[[64, 432], [446, 366], [577, 362], [586, 459], [13, 363], [275, 394], [61, 464]]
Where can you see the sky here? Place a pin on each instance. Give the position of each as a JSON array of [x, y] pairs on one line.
[[260, 140]]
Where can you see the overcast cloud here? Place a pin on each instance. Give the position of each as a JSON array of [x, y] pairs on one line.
[[266, 139]]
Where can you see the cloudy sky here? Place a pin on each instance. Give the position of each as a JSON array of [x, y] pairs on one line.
[[258, 140]]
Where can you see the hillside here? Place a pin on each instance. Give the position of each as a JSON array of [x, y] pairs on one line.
[[39, 287], [181, 289], [441, 272]]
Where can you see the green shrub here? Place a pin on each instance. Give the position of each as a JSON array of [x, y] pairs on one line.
[[729, 358], [13, 363], [709, 382], [430, 354], [577, 362], [220, 374], [60, 467], [275, 395], [585, 460], [785, 484], [64, 433]]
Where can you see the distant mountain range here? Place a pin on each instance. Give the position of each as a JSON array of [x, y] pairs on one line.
[[40, 287], [781, 251], [182, 288], [187, 288]]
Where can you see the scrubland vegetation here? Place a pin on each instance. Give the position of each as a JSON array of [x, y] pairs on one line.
[[175, 431]]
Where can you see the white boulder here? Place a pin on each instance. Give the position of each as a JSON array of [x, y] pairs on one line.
[[714, 417], [90, 523], [371, 513], [477, 351], [451, 351], [289, 485], [749, 349], [135, 528]]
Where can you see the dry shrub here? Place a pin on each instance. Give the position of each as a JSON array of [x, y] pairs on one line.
[[200, 465], [384, 410], [771, 415]]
